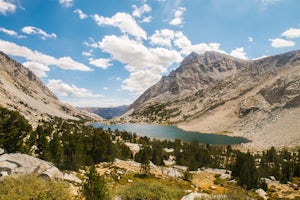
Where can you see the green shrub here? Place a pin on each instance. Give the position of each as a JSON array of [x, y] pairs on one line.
[[33, 188], [94, 188], [150, 191]]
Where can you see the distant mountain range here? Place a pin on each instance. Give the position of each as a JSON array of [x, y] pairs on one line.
[[22, 91], [107, 113], [217, 93]]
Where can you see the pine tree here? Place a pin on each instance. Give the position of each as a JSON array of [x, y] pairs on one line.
[[94, 188]]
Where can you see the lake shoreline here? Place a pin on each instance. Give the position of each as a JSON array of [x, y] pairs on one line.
[[172, 132]]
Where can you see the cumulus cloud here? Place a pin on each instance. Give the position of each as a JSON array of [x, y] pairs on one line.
[[66, 3], [280, 43], [146, 78], [37, 68], [186, 46], [65, 90], [291, 33], [81, 97], [162, 37], [139, 11], [250, 39], [80, 14], [11, 33], [139, 59], [66, 63], [239, 53], [124, 21], [101, 62], [178, 17], [31, 30], [7, 6]]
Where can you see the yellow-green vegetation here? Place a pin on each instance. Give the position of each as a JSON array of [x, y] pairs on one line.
[[232, 191], [34, 188], [134, 186], [150, 190]]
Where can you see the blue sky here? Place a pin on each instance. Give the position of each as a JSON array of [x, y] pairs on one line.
[[107, 52]]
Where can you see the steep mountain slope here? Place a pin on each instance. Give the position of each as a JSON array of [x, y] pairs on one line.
[[195, 72], [21, 90], [107, 113], [261, 101]]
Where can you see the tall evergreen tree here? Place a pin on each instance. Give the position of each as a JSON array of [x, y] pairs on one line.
[[94, 187]]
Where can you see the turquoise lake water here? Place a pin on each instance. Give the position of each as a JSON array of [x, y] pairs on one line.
[[172, 133]]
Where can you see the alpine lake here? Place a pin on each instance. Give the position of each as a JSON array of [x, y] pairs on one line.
[[172, 132]]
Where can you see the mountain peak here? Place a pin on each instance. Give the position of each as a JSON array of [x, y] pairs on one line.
[[195, 72]]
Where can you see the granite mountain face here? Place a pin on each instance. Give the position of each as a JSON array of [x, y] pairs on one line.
[[216, 93], [195, 72], [22, 91]]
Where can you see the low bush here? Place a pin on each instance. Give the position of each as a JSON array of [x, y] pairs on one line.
[[150, 191], [33, 188]]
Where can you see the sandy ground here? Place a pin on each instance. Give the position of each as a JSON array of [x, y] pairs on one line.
[[283, 132]]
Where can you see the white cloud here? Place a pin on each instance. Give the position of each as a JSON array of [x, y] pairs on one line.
[[182, 42], [11, 33], [101, 62], [139, 11], [250, 39], [239, 53], [65, 90], [178, 17], [124, 21], [147, 19], [7, 6], [291, 33], [80, 14], [139, 59], [88, 53], [279, 43], [146, 78], [162, 37], [66, 63], [92, 44], [37, 68], [31, 30], [66, 3], [105, 88]]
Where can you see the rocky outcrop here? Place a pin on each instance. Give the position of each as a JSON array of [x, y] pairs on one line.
[[22, 91], [24, 164]]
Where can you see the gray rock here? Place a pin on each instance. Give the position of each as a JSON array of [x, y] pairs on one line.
[[72, 178], [2, 151], [262, 193], [25, 164]]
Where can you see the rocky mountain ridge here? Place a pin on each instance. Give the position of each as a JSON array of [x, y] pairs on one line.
[[260, 102], [108, 112], [194, 73], [21, 90]]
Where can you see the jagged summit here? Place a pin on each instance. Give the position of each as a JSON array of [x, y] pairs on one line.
[[196, 71]]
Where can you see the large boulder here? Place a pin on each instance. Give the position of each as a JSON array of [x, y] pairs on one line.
[[24, 164]]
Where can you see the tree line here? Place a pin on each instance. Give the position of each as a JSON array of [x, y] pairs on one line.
[[72, 144]]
